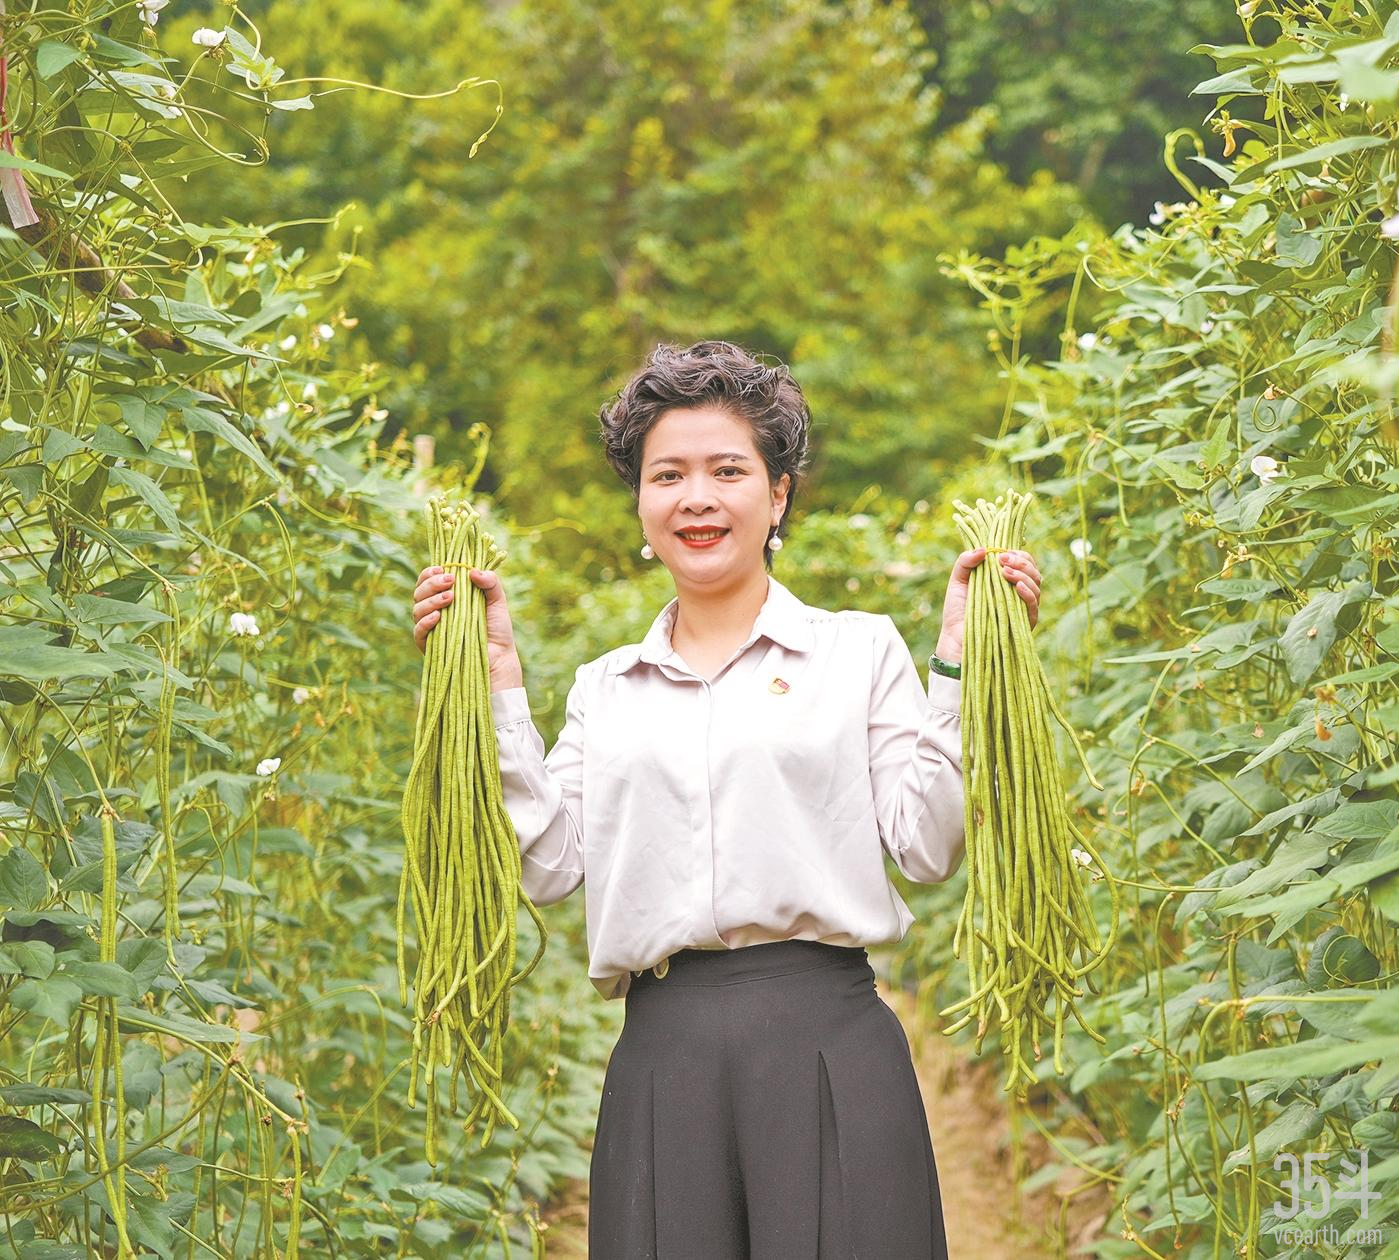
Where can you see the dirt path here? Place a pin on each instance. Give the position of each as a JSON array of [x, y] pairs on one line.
[[986, 1216]]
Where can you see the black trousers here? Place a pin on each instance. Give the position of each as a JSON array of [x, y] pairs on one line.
[[761, 1104]]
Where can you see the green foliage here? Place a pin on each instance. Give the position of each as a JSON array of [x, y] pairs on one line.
[[206, 723], [768, 172], [1220, 449], [1081, 90], [201, 1045]]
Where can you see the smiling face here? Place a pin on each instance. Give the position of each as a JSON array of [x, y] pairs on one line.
[[701, 472]]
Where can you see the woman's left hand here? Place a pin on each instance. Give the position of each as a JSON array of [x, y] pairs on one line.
[[1017, 567]]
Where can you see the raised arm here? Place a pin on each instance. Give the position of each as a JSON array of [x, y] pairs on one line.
[[915, 761], [543, 795]]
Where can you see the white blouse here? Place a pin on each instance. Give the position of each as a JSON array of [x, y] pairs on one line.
[[751, 807]]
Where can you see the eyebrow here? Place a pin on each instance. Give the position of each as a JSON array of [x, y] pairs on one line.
[[671, 459]]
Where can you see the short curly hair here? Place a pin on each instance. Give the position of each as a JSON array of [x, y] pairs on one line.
[[711, 373]]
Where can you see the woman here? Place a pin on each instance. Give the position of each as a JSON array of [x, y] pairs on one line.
[[728, 786]]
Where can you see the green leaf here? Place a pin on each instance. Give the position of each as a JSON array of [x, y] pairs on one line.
[[102, 610], [107, 441], [52, 998], [23, 1139], [142, 416], [51, 57], [1295, 855], [1288, 738], [24, 1095], [200, 419], [43, 1249], [10, 161], [214, 992], [103, 979], [25, 652], [1294, 246], [152, 495], [26, 958], [183, 1027], [144, 958], [1298, 1122], [1348, 144], [1252, 589], [1312, 631], [1385, 896], [1359, 820], [23, 881], [465, 1202], [1339, 960], [1319, 1057], [160, 308]]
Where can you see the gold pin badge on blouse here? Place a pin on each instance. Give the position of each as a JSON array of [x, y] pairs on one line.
[[778, 687]]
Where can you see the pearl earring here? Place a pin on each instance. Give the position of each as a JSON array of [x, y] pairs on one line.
[[775, 543], [647, 552]]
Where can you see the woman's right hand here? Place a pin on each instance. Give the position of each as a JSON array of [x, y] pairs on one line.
[[434, 592]]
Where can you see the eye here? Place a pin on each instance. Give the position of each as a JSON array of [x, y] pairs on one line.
[[732, 469]]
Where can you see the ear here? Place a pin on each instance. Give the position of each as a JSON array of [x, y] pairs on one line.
[[780, 491]]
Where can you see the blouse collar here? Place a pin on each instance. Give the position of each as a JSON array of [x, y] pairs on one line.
[[783, 618]]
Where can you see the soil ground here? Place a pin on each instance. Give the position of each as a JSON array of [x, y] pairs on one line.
[[985, 1213]]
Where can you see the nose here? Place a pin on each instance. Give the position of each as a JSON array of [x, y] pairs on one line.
[[698, 498]]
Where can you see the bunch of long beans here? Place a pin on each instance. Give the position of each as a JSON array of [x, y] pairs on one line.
[[1026, 915], [462, 859]]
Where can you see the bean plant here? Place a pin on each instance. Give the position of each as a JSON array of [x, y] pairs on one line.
[[210, 535], [1215, 445]]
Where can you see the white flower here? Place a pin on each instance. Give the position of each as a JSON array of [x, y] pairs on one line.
[[1391, 227], [1207, 326], [1226, 200], [1343, 100], [1081, 857], [1087, 341], [1080, 547], [1158, 215], [150, 10], [269, 766], [300, 695], [241, 624], [206, 37], [1266, 468], [325, 332], [860, 520], [309, 390], [283, 408], [288, 341]]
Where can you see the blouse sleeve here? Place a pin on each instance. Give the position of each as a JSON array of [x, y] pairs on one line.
[[543, 794], [915, 761]]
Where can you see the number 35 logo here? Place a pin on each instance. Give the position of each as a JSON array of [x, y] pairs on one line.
[[1352, 1185]]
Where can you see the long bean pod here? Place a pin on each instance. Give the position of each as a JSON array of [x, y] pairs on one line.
[[462, 868], [1027, 921]]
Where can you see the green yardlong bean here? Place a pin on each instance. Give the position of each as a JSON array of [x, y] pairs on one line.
[[1025, 916], [461, 856]]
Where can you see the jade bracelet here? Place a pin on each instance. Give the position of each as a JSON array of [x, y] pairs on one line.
[[949, 669]]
